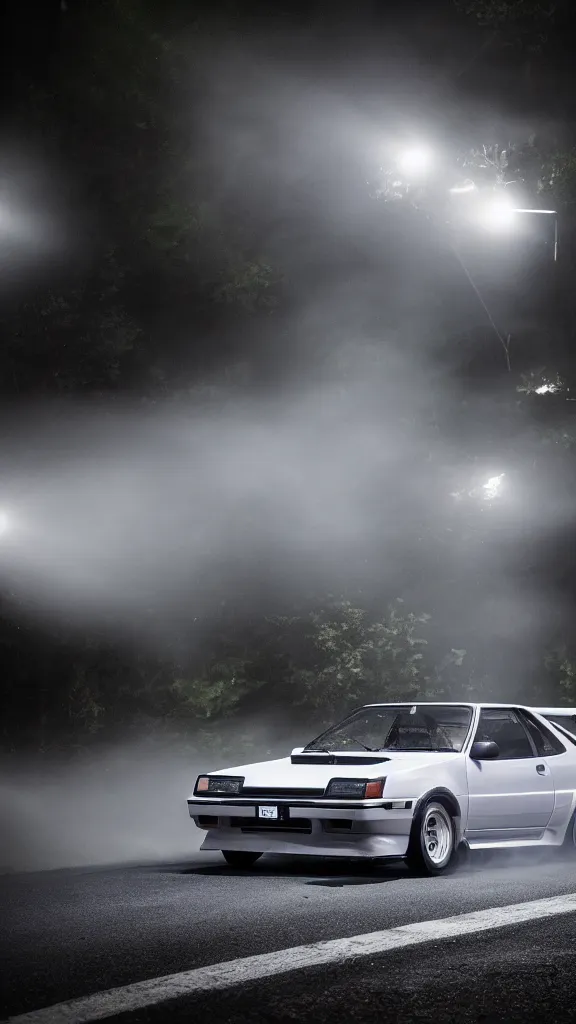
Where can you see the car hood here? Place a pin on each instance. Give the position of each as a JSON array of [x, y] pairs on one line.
[[282, 774]]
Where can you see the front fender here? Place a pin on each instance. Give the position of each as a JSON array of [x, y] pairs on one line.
[[446, 797], [447, 780]]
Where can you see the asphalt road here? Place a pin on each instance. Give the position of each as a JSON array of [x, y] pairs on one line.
[[67, 934]]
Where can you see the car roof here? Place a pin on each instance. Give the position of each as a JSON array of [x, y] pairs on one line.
[[555, 711], [471, 704]]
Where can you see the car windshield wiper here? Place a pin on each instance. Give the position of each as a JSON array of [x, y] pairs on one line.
[[423, 750], [363, 745], [324, 750]]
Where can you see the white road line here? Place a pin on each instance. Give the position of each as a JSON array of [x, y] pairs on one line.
[[234, 972]]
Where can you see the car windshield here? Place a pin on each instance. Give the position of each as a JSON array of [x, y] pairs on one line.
[[399, 727]]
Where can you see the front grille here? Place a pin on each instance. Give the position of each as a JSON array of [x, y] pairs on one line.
[[270, 793], [302, 825]]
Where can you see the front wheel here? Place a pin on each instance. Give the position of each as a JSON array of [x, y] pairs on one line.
[[432, 846], [240, 858]]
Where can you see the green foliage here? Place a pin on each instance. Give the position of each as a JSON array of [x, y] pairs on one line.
[[535, 381], [171, 224], [217, 692], [364, 658], [340, 656], [114, 106], [544, 174], [84, 710], [558, 177], [488, 165], [246, 284], [72, 342], [516, 22], [560, 437], [506, 12], [560, 663]]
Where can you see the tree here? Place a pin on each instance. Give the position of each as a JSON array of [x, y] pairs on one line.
[[116, 105], [524, 23]]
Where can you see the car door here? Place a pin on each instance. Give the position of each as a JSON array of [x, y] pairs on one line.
[[560, 756], [512, 796]]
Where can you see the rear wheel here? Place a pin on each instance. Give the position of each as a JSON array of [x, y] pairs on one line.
[[240, 858], [432, 846], [569, 844]]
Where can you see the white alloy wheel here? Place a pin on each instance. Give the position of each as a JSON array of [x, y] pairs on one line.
[[431, 849], [437, 834]]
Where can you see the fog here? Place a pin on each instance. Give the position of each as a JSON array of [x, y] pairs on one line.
[[335, 466], [122, 803], [107, 516]]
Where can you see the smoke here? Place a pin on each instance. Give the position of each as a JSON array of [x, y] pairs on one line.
[[126, 805], [123, 803]]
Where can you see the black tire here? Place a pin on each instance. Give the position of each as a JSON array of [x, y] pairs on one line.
[[240, 858], [463, 854], [432, 846], [568, 847]]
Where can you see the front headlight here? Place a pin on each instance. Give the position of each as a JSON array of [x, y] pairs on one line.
[[218, 785], [359, 789]]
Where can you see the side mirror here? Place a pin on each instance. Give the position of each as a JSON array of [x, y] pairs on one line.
[[484, 750]]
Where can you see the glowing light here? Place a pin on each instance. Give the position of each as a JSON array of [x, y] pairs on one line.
[[546, 389], [466, 186], [493, 487], [499, 214], [416, 161]]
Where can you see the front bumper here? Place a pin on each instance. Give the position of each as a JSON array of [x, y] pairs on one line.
[[337, 828]]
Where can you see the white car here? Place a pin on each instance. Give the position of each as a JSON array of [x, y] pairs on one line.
[[402, 780]]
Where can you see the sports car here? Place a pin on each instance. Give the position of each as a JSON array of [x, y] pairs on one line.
[[417, 781]]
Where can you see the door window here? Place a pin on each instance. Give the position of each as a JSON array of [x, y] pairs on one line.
[[503, 726]]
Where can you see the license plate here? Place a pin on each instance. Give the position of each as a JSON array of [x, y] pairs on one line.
[[268, 812]]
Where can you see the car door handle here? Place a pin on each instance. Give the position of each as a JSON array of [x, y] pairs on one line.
[[541, 769]]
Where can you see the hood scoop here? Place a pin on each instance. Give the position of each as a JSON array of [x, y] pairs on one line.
[[321, 758]]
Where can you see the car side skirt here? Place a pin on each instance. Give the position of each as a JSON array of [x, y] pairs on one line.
[[499, 840]]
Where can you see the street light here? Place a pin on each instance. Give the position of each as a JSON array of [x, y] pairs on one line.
[[500, 214], [493, 487], [488, 491], [416, 161]]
